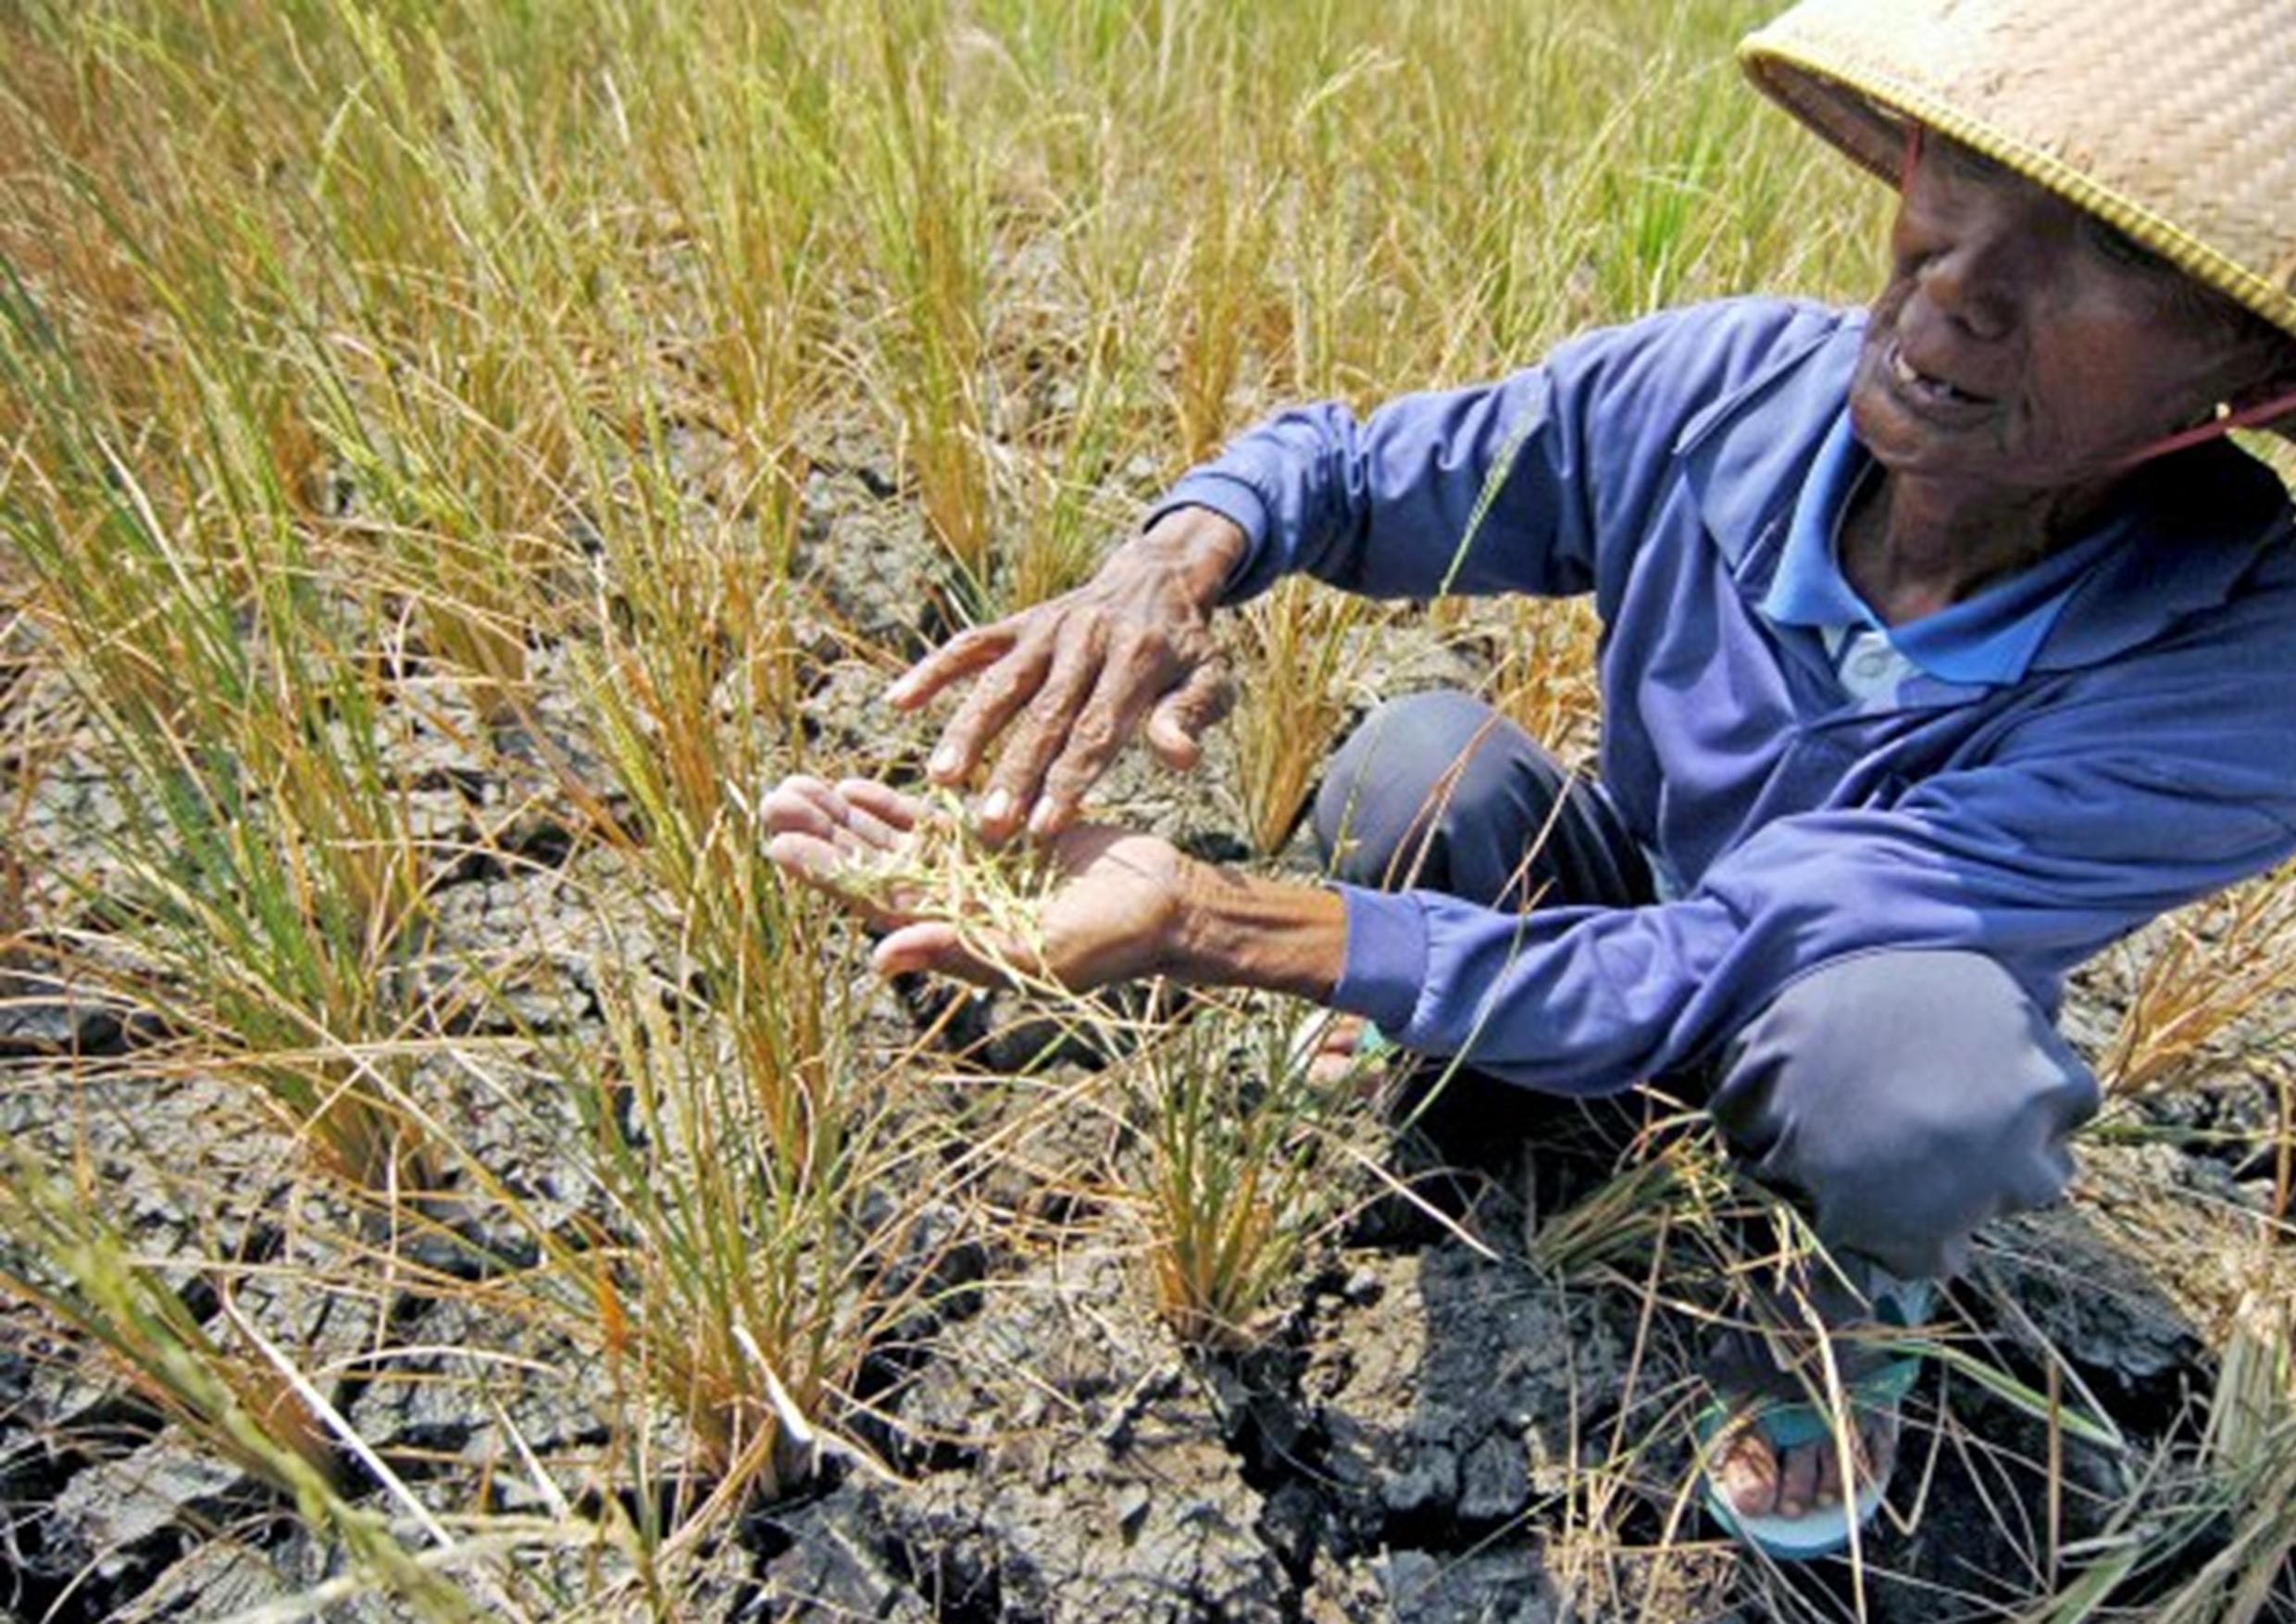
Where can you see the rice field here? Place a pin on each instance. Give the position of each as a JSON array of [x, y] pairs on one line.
[[455, 454]]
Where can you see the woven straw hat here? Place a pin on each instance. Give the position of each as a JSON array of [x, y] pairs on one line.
[[2173, 120]]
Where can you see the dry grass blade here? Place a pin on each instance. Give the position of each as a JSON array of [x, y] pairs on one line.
[[944, 871], [1303, 649], [2250, 1451]]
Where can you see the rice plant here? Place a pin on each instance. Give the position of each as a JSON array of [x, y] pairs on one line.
[[928, 201], [277, 888], [1239, 1180], [2218, 972]]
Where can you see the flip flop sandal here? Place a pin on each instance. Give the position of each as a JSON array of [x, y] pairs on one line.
[[1823, 1530]]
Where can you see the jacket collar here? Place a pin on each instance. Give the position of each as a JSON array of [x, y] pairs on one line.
[[2195, 524]]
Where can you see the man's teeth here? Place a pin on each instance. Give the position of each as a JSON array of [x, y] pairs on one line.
[[1905, 374]]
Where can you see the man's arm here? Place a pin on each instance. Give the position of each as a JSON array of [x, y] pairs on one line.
[[2083, 827], [1406, 500], [1492, 487], [1239, 929]]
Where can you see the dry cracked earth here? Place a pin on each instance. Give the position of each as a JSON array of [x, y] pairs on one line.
[[1412, 1441]]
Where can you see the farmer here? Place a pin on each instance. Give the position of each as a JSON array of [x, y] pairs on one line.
[[1944, 643]]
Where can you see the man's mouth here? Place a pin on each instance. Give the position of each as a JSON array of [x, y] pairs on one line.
[[1921, 387]]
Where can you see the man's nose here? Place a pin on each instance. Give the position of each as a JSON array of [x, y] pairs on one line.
[[1983, 278]]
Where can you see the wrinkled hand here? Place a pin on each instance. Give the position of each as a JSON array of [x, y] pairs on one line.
[[1110, 919], [1067, 682]]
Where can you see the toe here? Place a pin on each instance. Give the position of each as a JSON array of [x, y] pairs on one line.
[[1829, 1474], [1798, 1480], [1748, 1474]]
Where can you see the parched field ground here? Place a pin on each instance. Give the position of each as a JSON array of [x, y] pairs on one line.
[[453, 453]]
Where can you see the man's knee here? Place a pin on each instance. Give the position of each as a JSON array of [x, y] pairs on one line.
[[1911, 1097], [1414, 774]]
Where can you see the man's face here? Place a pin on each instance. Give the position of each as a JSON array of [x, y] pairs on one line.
[[2022, 345]]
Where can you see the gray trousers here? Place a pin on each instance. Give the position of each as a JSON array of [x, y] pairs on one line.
[[1907, 1097]]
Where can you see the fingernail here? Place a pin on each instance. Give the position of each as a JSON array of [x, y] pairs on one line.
[[941, 763], [996, 807], [898, 692], [1041, 820]]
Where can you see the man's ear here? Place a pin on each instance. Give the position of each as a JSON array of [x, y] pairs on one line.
[[2271, 403]]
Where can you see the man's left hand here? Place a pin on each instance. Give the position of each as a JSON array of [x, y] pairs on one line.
[[1112, 917]]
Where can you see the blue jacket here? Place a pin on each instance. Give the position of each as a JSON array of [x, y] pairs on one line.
[[2147, 756]]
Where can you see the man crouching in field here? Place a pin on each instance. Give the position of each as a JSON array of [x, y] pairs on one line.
[[1945, 642]]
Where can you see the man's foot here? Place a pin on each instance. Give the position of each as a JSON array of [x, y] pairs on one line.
[[1774, 1468], [1757, 1478]]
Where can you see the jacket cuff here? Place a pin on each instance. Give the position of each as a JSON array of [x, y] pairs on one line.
[[1385, 963], [1234, 499]]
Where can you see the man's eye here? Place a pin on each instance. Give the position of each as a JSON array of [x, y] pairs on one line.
[[2121, 248], [1969, 161]]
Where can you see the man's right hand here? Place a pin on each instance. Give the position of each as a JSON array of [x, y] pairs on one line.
[[1067, 682]]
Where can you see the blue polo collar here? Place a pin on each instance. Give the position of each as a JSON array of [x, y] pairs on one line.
[[1990, 637], [1808, 588], [2190, 528]]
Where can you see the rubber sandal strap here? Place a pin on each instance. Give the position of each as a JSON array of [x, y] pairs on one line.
[[1790, 1423]]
